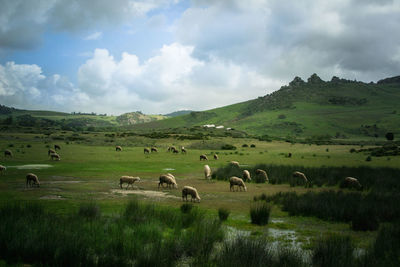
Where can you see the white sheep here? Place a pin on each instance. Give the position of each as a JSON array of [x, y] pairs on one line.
[[118, 148], [263, 174], [8, 153], [235, 163], [32, 179], [300, 175], [167, 179], [51, 151], [246, 175], [207, 172], [203, 157], [55, 156], [188, 190], [352, 182], [2, 169], [237, 181], [154, 149], [183, 150], [215, 156], [128, 180]]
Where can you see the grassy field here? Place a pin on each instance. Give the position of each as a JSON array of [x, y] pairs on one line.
[[89, 171]]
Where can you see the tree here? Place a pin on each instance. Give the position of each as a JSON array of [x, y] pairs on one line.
[[389, 136]]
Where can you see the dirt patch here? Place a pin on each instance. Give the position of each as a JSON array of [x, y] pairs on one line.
[[31, 166], [61, 182], [146, 193], [52, 197], [57, 177]]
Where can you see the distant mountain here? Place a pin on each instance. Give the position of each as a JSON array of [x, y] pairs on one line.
[[137, 117], [178, 113], [337, 108]]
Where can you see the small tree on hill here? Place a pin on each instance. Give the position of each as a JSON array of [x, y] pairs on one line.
[[389, 136]]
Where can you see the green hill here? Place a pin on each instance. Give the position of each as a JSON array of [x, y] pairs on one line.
[[338, 108], [137, 117]]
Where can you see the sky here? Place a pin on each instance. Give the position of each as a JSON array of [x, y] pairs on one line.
[[160, 56]]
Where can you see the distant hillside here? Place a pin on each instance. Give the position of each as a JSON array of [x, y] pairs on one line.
[[137, 117], [337, 108], [178, 113]]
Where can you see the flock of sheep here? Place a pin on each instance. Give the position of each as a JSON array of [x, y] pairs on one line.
[[170, 181]]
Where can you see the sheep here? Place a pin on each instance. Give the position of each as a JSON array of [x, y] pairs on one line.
[[237, 181], [50, 151], [203, 157], [351, 182], [301, 175], [57, 147], [263, 174], [2, 168], [183, 150], [171, 148], [246, 175], [175, 151], [32, 178], [154, 149], [170, 175], [55, 156], [8, 153], [129, 180], [166, 179], [235, 163], [215, 156], [207, 172], [146, 150], [188, 190], [118, 148]]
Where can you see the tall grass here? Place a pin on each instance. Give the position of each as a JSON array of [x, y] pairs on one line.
[[377, 179], [333, 251], [364, 211], [260, 212], [142, 235]]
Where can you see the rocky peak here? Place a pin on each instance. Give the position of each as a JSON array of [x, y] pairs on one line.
[[297, 81], [314, 79]]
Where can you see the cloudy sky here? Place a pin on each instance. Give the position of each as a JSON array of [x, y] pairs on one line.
[[160, 56]]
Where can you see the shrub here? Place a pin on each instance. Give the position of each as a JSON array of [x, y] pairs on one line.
[[245, 145], [259, 213], [228, 147], [253, 145], [334, 250], [352, 150], [368, 158], [223, 214]]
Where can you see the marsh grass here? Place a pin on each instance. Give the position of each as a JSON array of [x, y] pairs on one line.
[[142, 235], [378, 179], [332, 251], [260, 213]]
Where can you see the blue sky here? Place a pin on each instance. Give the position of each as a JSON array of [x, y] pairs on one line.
[[159, 56]]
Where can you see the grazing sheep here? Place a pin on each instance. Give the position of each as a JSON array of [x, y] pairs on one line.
[[129, 180], [170, 175], [207, 171], [203, 157], [246, 175], [263, 174], [32, 179], [171, 149], [183, 150], [51, 151], [118, 148], [2, 168], [215, 156], [55, 156], [237, 181], [351, 182], [167, 179], [154, 149], [8, 153], [146, 150], [235, 163], [175, 151], [301, 176], [57, 147], [188, 190]]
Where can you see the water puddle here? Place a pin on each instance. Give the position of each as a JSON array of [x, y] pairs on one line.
[[168, 169], [31, 166], [146, 193], [55, 197]]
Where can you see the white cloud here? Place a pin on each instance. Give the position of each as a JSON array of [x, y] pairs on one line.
[[94, 36]]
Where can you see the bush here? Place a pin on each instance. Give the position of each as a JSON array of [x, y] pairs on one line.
[[245, 145], [352, 150], [259, 213], [334, 250], [228, 147], [253, 145], [368, 158], [223, 214]]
